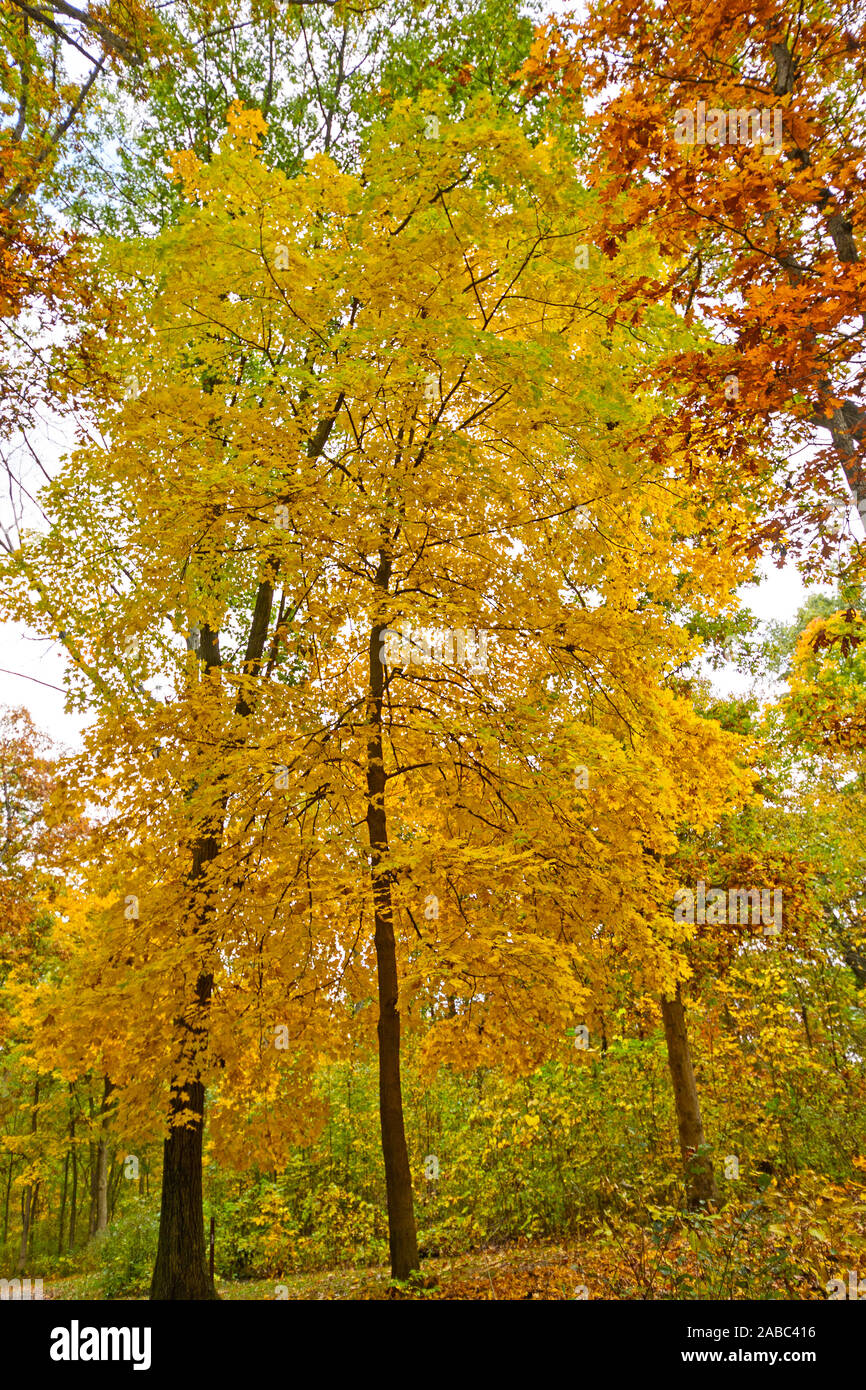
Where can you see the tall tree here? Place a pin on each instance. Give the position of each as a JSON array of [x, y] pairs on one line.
[[290, 435]]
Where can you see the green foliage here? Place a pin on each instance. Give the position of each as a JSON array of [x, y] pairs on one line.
[[266, 1228], [120, 1261], [554, 1155]]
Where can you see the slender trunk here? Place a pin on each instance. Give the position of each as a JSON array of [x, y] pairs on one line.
[[101, 1180], [398, 1178], [92, 1168], [27, 1196], [6, 1201], [62, 1221], [33, 1208], [91, 1185], [102, 1185], [73, 1204], [700, 1179], [26, 1209], [115, 1178]]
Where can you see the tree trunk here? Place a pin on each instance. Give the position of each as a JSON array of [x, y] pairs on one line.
[[102, 1185], [101, 1176], [33, 1206], [181, 1265], [73, 1204], [92, 1170], [6, 1202], [180, 1271], [115, 1178], [398, 1178], [27, 1202], [26, 1210], [700, 1179], [62, 1220]]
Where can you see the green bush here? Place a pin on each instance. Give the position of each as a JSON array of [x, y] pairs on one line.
[[122, 1258]]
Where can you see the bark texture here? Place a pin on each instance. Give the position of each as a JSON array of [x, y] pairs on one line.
[[697, 1164], [403, 1241]]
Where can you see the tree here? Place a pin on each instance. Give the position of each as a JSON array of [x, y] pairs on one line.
[[328, 93], [759, 230], [27, 891], [446, 253]]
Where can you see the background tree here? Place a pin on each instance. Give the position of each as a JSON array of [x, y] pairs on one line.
[[760, 238]]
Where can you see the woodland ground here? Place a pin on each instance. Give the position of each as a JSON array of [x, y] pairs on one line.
[[550, 1272]]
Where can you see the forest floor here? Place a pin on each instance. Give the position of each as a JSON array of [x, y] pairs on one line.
[[525, 1272]]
